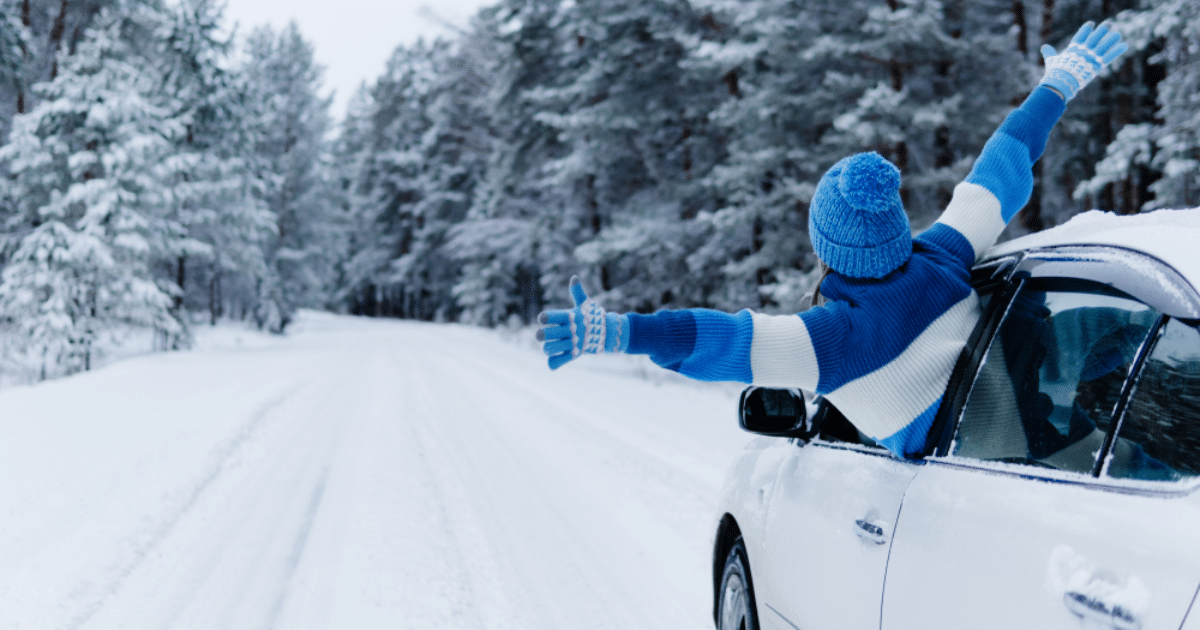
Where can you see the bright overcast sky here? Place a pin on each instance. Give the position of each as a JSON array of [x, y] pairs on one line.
[[353, 38]]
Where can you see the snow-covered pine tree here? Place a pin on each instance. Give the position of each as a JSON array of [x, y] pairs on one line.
[[920, 66], [14, 49], [1123, 95], [634, 123], [420, 174], [85, 182], [1154, 159], [810, 83], [1177, 23], [453, 157], [352, 174], [51, 28], [288, 118], [217, 224], [776, 105], [394, 120], [518, 235]]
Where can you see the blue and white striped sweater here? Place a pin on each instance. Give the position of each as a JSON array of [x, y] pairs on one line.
[[882, 350]]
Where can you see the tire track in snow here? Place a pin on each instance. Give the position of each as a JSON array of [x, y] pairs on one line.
[[301, 543], [657, 472], [475, 600], [411, 476], [551, 491], [147, 541], [223, 529], [675, 468]]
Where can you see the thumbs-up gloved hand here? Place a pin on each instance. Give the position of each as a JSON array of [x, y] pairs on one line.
[[585, 329], [1089, 52]]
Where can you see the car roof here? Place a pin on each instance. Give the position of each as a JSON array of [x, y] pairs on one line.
[[1172, 236]]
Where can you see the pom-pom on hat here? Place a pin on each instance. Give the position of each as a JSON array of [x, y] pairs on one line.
[[856, 220]]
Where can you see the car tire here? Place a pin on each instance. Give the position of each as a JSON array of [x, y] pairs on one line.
[[737, 610]]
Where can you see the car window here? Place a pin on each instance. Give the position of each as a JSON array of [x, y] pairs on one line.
[[1159, 436], [1048, 384]]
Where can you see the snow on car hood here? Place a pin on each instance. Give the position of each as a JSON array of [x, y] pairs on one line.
[[1172, 236]]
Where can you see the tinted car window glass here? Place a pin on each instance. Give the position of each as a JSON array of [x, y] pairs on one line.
[[1160, 434], [833, 426], [1046, 389]]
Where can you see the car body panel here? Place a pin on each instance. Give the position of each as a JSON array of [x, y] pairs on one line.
[[995, 548], [747, 490], [817, 542]]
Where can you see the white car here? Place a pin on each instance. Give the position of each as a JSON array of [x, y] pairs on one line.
[[1059, 483]]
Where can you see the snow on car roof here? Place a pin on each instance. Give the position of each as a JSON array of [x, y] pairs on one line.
[[1172, 236]]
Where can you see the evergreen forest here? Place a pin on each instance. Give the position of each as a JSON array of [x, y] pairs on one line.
[[161, 171]]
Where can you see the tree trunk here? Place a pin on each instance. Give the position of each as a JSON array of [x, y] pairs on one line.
[[594, 220], [593, 205], [900, 158], [1047, 22], [56, 33], [687, 148], [943, 158], [731, 83], [1018, 9], [179, 279], [1129, 195], [1124, 116], [214, 298], [1031, 214], [20, 84]]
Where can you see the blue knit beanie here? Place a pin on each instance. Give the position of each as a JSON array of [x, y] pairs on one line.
[[856, 220]]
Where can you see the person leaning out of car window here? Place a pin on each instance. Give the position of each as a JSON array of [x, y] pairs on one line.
[[896, 311]]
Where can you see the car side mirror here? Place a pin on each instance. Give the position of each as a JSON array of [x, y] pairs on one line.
[[774, 412]]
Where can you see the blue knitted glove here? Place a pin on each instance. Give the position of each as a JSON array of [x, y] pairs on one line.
[[1089, 52], [585, 329]]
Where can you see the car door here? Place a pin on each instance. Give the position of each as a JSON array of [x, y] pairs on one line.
[[828, 530], [1066, 495]]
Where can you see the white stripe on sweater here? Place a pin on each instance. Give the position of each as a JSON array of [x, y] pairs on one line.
[[975, 213], [890, 398], [781, 352]]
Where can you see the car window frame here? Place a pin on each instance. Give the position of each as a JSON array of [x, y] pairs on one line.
[[817, 407], [1109, 265]]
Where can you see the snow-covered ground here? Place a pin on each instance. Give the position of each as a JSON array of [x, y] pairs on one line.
[[361, 474]]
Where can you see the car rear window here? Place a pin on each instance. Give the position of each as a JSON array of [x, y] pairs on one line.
[[1159, 436]]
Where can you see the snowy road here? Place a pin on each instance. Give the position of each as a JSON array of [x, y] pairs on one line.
[[361, 474]]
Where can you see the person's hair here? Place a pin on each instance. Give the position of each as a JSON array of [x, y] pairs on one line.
[[814, 297]]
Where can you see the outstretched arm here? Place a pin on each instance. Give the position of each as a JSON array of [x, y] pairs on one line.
[[708, 345], [1001, 181]]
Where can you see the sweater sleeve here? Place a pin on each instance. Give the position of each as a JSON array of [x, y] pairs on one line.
[[708, 345], [1001, 181]]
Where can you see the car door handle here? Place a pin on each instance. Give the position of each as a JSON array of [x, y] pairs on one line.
[[1099, 611], [871, 530]]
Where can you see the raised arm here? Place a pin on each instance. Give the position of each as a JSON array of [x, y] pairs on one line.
[[1001, 181]]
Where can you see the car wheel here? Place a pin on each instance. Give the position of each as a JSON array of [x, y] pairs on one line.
[[737, 592]]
